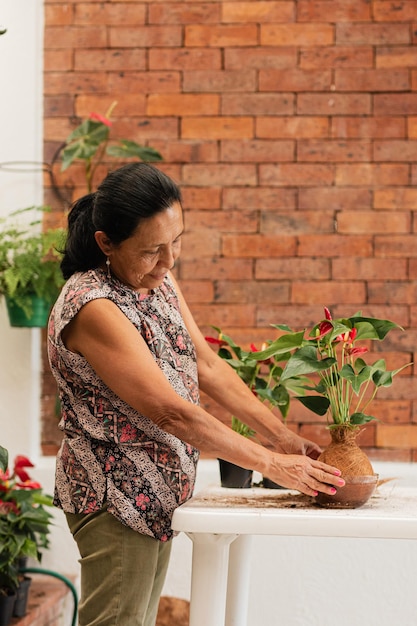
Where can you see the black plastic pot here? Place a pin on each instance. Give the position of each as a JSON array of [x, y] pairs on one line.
[[234, 476], [6, 608], [22, 595], [267, 483]]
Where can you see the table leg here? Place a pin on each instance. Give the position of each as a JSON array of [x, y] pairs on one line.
[[209, 578], [238, 581]]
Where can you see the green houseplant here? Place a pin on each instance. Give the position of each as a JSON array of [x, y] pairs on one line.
[[30, 275], [24, 523], [342, 385]]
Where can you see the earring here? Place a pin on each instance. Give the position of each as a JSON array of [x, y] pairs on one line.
[[108, 267]]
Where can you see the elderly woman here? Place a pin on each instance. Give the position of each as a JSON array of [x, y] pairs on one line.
[[129, 361]]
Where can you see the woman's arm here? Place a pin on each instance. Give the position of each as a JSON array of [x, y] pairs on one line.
[[119, 355], [219, 381]]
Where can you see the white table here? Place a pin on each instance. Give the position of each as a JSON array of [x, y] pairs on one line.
[[221, 523]]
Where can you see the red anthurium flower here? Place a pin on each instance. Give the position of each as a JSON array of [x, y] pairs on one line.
[[218, 342], [28, 484], [327, 313], [100, 118], [356, 351], [348, 337], [20, 463], [253, 348], [324, 329], [8, 507]]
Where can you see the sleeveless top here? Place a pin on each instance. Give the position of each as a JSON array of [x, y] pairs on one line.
[[111, 453]]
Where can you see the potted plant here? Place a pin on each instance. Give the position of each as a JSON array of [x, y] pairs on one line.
[[263, 377], [344, 385], [24, 524], [30, 274]]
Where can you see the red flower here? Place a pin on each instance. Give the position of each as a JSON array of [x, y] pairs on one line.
[[8, 507], [327, 314], [324, 329], [29, 484], [218, 342], [100, 118], [19, 463], [356, 351]]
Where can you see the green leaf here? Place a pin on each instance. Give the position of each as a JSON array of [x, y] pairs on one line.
[[373, 328], [281, 345], [304, 361], [317, 404], [126, 149], [4, 459], [360, 418]]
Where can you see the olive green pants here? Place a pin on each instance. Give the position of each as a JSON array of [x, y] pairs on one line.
[[122, 571]]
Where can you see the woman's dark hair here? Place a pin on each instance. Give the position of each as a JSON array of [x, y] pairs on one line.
[[126, 196]]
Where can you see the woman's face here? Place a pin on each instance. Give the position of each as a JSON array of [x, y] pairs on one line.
[[143, 260]]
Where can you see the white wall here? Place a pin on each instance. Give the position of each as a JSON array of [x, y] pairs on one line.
[[21, 140]]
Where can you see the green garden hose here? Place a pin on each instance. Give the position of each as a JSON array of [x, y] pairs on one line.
[[47, 572]]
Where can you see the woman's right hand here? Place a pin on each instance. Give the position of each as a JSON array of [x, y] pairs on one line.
[[300, 472]]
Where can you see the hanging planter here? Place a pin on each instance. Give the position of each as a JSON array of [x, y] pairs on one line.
[[36, 316]]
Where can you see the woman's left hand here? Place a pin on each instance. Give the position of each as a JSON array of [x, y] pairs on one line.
[[291, 443]]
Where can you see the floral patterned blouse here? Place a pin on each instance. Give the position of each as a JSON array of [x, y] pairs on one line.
[[111, 453]]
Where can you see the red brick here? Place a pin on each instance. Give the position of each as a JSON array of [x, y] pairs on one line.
[[182, 104], [69, 83], [291, 127], [412, 127], [335, 245], [333, 151], [296, 80], [358, 222], [292, 269], [396, 57], [224, 221], [385, 292], [187, 151], [401, 198], [75, 37], [119, 13], [216, 269], [372, 34], [221, 35], [336, 57], [184, 59], [130, 105], [294, 222], [334, 104], [223, 315], [258, 104], [397, 436], [336, 198], [58, 60], [217, 127], [265, 198], [256, 150], [183, 13], [388, 11], [59, 15], [371, 174], [201, 198], [57, 106], [145, 82], [298, 174], [297, 35], [395, 150], [235, 292], [200, 291], [259, 12], [372, 80], [368, 127], [272, 57], [255, 246], [219, 175], [396, 246], [144, 36], [220, 81], [369, 269], [109, 60], [311, 292], [333, 11]]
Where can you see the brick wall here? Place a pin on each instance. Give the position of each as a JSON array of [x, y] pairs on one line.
[[292, 129]]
